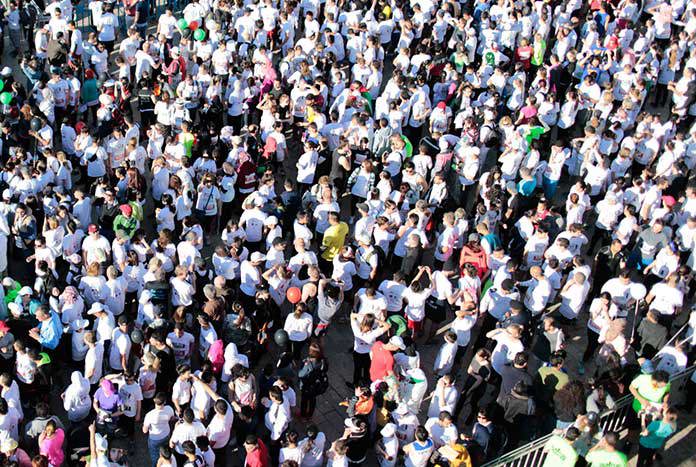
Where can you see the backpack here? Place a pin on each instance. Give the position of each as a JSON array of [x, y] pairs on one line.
[[317, 381]]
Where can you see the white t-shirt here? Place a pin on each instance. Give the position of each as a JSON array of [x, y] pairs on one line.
[[120, 345], [393, 292], [181, 346], [415, 309], [157, 422], [93, 361]]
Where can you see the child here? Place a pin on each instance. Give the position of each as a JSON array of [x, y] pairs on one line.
[[445, 356], [181, 391]]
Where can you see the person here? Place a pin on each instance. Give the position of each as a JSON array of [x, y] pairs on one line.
[[654, 435], [650, 391], [312, 376], [256, 452], [51, 443], [559, 449], [156, 425], [606, 452]]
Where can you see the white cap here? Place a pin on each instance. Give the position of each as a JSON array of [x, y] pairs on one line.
[[145, 296], [100, 443], [270, 220], [14, 309], [6, 194], [8, 282], [257, 256], [26, 290], [95, 308], [388, 431], [401, 409], [398, 342]]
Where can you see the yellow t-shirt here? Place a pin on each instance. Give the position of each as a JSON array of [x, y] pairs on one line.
[[334, 238]]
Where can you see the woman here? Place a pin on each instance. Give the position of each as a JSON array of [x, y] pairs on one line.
[[477, 389], [51, 443], [299, 326], [366, 330], [602, 312], [313, 368], [242, 389], [76, 399], [568, 403]]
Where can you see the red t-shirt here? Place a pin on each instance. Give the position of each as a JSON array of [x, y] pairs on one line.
[[258, 457], [382, 362]]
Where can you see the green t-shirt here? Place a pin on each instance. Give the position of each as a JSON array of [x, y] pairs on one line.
[[643, 384], [602, 458], [560, 453]]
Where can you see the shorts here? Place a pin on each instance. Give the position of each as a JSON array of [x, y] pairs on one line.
[[415, 326], [436, 310]]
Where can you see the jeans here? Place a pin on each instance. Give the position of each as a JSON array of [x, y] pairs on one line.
[[153, 447]]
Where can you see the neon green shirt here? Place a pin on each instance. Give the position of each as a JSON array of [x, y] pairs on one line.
[[602, 458], [560, 453], [643, 384]]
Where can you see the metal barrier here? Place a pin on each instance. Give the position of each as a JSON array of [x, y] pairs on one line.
[[533, 455]]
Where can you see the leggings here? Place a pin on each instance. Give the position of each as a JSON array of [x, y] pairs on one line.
[[361, 369]]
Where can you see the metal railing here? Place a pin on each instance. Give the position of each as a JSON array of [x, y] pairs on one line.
[[533, 455]]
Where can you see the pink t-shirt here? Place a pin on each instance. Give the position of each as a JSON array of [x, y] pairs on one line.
[[52, 447]]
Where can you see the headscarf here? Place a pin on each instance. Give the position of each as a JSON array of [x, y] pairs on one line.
[[78, 389], [216, 356], [69, 295], [232, 357]]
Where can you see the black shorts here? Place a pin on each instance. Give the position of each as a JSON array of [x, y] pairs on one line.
[[436, 310]]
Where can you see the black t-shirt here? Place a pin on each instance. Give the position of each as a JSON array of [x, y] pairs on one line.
[[358, 444]]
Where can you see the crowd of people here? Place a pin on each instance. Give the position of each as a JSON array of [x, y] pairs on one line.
[[194, 196]]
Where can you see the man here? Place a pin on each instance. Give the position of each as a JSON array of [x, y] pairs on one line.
[[333, 241], [560, 451], [156, 425], [650, 390], [256, 452], [651, 336], [538, 291], [6, 348], [605, 452], [442, 429], [93, 359], [608, 262], [512, 374], [382, 359], [50, 329], [119, 351], [550, 379]]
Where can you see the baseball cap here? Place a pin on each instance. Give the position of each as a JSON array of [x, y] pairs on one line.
[[126, 209], [257, 256], [95, 308], [26, 290], [397, 342], [669, 201], [4, 327]]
